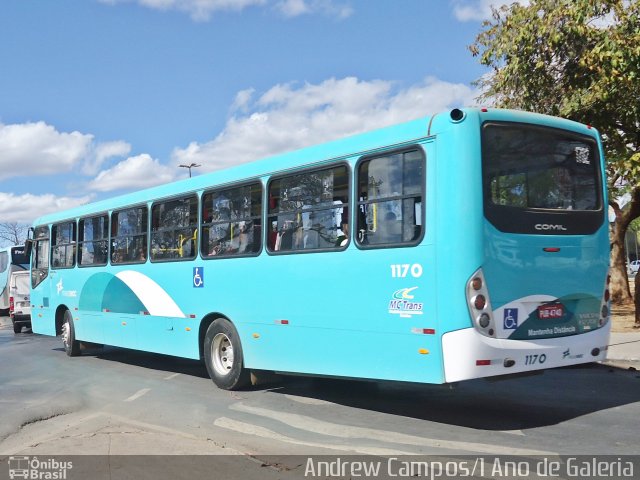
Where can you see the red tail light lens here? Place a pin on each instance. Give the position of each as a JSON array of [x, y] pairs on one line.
[[479, 302]]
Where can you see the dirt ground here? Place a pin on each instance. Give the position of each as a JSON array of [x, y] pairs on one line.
[[623, 319], [624, 316]]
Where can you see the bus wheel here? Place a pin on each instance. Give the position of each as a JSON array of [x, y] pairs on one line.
[[71, 345], [223, 356], [17, 328]]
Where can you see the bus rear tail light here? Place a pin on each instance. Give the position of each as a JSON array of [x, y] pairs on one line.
[[12, 307], [479, 302], [480, 305]]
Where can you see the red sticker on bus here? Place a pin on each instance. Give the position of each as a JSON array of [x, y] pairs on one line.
[[549, 312]]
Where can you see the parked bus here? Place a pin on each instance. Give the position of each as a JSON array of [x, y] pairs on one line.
[[469, 244], [12, 259]]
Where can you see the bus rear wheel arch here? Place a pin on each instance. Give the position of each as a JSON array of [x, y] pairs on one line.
[[223, 356]]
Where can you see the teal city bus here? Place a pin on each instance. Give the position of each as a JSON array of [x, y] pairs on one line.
[[472, 243]]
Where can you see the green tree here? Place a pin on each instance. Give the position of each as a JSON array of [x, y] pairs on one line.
[[578, 59]]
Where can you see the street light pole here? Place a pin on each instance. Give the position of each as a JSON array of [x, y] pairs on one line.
[[192, 165]]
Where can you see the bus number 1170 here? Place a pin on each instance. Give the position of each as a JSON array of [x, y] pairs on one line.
[[533, 359], [401, 270]]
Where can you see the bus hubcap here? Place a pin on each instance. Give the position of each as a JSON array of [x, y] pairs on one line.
[[222, 354], [65, 333]]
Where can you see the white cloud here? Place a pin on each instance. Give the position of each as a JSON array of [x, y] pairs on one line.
[[202, 10], [242, 99], [38, 148], [25, 208], [198, 10], [295, 8], [137, 172], [288, 117], [105, 151], [478, 10]]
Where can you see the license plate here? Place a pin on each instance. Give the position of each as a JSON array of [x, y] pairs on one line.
[[550, 312]]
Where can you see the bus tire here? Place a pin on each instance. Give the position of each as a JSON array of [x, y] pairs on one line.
[[71, 345], [17, 328], [223, 356]]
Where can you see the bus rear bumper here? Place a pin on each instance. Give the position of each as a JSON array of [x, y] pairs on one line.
[[467, 354]]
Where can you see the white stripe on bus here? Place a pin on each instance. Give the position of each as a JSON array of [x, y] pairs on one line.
[[155, 299]]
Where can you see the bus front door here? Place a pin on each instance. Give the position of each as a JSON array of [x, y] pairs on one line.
[[42, 320]]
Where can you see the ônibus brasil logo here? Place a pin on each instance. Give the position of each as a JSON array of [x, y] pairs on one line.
[[402, 304], [34, 468]]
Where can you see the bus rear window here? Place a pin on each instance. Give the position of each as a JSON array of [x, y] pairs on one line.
[[531, 167], [18, 256], [531, 171]]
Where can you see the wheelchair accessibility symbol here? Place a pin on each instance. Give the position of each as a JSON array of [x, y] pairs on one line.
[[198, 277], [510, 318]]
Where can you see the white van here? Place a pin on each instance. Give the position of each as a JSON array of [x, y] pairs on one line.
[[20, 300]]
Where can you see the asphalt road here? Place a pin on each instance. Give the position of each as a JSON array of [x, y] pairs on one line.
[[116, 401]]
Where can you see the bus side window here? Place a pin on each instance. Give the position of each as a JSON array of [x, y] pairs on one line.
[[4, 261], [390, 203], [174, 229], [40, 256], [63, 245], [233, 225], [93, 243], [309, 210], [129, 235]]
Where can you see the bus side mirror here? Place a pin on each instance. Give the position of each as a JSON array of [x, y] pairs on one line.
[[28, 245]]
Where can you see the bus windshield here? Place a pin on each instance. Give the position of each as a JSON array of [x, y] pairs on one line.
[[529, 168]]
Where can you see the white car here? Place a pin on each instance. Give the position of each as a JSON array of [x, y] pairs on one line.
[[20, 300], [634, 266]]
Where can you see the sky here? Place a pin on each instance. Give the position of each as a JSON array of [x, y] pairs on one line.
[[104, 97]]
